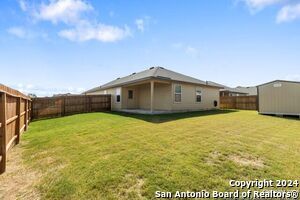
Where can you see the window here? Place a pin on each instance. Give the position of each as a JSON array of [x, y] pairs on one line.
[[130, 94], [198, 95], [118, 95], [177, 97], [105, 91]]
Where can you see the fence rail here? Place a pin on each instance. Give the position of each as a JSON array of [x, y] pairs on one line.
[[239, 102], [67, 105], [15, 109]]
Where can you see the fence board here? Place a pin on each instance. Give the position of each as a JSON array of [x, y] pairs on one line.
[[239, 102], [12, 112], [67, 105]]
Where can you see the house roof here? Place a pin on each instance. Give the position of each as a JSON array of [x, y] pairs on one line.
[[153, 72], [217, 84]]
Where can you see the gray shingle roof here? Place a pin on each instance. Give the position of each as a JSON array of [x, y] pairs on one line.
[[153, 72], [242, 90], [248, 90]]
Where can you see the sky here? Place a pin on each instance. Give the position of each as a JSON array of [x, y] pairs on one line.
[[69, 46]]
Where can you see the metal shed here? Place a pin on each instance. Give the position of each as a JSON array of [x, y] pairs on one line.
[[279, 98]]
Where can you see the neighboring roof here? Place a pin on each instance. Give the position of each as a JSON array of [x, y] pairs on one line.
[[233, 90], [248, 90], [239, 89], [153, 72], [278, 81]]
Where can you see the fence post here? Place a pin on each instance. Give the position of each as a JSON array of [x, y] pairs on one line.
[[31, 109], [26, 114], [85, 104], [63, 106], [3, 132], [18, 121], [90, 103]]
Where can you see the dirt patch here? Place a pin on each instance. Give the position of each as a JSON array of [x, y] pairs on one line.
[[213, 158], [247, 160], [132, 188], [18, 181]]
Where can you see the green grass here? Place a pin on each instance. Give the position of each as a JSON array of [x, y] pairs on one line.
[[113, 155]]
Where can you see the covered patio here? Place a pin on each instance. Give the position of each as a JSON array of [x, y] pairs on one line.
[[149, 97]]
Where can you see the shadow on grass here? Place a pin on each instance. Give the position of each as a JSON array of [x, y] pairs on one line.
[[286, 117], [161, 118]]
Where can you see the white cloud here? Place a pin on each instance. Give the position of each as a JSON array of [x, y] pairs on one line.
[[101, 32], [23, 5], [17, 31], [67, 11], [80, 27], [192, 51], [140, 24], [45, 91], [288, 13], [26, 33], [260, 4], [143, 23], [187, 49]]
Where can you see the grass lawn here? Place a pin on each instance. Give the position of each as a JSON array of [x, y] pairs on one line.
[[113, 155]]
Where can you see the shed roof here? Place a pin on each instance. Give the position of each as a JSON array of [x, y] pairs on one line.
[[153, 72], [278, 81]]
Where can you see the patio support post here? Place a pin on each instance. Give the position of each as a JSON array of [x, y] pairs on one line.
[[152, 96]]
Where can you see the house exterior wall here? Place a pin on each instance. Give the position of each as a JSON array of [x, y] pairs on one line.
[[144, 96], [279, 98], [130, 103], [188, 98], [164, 97]]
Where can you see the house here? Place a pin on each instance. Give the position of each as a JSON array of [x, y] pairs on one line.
[[227, 91], [279, 98], [159, 90], [250, 91], [238, 91]]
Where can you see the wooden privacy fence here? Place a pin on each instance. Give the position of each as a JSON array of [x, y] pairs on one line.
[[239, 102], [14, 118], [67, 105]]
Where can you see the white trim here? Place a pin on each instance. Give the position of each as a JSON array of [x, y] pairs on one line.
[[174, 93], [118, 93], [198, 89]]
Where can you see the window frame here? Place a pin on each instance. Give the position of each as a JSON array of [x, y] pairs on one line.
[[176, 93], [130, 96], [196, 95], [118, 93]]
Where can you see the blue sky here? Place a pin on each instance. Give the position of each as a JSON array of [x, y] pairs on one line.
[[57, 46]]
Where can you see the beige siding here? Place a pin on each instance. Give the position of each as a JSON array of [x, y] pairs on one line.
[[280, 100], [130, 103], [188, 98], [164, 97]]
